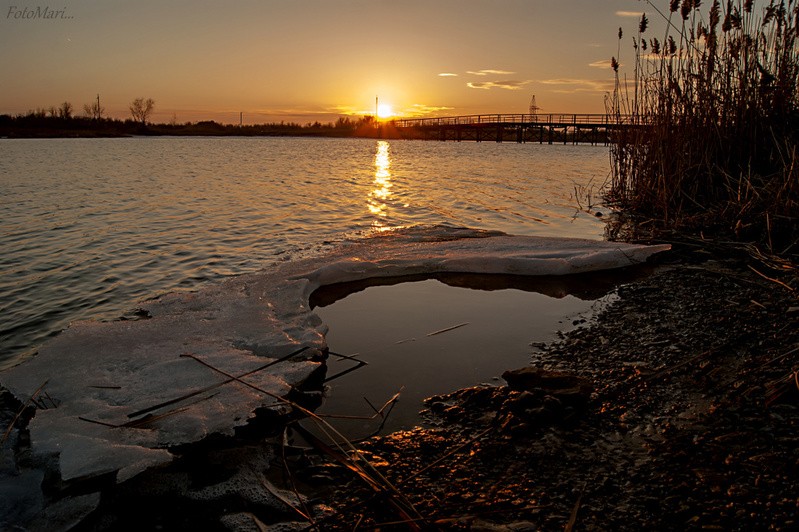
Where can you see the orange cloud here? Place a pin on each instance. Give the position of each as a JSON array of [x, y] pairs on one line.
[[420, 109], [602, 63], [486, 72], [510, 84], [571, 86]]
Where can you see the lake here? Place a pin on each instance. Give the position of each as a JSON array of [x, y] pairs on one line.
[[90, 226]]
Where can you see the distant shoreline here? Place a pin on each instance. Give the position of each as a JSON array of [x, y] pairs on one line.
[[36, 126]]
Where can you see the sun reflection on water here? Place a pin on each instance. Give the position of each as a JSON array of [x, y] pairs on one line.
[[382, 183]]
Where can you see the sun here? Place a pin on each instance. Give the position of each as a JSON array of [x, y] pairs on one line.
[[384, 110]]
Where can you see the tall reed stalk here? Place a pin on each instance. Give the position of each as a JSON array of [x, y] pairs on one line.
[[714, 113]]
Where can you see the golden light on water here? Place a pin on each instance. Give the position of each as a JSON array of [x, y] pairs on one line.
[[382, 183]]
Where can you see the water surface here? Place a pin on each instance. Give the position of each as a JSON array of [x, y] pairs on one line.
[[89, 226], [425, 337]]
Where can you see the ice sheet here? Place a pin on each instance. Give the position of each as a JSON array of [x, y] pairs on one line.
[[118, 396]]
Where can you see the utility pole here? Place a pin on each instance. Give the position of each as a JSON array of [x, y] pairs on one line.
[[375, 107], [241, 118]]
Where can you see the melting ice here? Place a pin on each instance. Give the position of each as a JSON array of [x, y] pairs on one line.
[[116, 397]]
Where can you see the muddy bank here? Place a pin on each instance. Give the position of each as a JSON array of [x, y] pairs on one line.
[[689, 421]]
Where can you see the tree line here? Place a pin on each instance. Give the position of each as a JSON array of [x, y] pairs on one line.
[[62, 120], [140, 110]]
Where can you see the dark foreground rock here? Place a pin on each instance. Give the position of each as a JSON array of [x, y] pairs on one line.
[[677, 408]]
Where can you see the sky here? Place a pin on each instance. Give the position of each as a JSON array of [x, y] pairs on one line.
[[308, 60]]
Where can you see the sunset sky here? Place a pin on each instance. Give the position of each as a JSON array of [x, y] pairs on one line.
[[306, 60]]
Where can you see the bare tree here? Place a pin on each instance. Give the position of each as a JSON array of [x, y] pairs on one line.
[[65, 111], [95, 110], [141, 109]]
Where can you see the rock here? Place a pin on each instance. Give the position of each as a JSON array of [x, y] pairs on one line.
[[570, 390], [529, 378]]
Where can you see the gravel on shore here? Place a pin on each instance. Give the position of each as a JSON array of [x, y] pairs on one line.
[[675, 407], [690, 420]]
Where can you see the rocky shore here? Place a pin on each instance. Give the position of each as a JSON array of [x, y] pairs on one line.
[[676, 408]]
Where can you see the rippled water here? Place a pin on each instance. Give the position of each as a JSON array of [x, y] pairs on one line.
[[89, 226]]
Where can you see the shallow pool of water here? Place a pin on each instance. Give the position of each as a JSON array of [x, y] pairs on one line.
[[435, 336]]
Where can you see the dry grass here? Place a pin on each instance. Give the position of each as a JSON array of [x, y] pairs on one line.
[[717, 100]]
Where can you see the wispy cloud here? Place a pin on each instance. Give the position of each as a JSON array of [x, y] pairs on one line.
[[349, 110], [629, 14], [294, 111], [602, 63], [448, 75], [489, 71], [420, 109], [571, 85], [510, 84]]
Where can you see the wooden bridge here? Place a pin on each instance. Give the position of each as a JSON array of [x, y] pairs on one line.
[[541, 128]]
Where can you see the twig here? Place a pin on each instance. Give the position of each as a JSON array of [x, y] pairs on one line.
[[97, 422], [447, 329], [214, 386], [681, 364], [391, 403], [776, 359], [446, 455], [304, 515], [377, 413], [766, 277], [347, 357], [401, 504], [375, 410], [21, 410], [308, 515], [573, 518], [138, 423], [373, 478], [50, 398], [359, 364]]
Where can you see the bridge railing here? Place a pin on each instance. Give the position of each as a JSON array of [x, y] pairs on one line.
[[520, 119]]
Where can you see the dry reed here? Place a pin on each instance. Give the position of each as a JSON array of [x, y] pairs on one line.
[[714, 123]]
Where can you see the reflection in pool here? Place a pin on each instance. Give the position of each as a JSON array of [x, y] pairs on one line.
[[431, 336]]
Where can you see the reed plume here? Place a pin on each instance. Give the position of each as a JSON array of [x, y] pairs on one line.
[[714, 112]]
